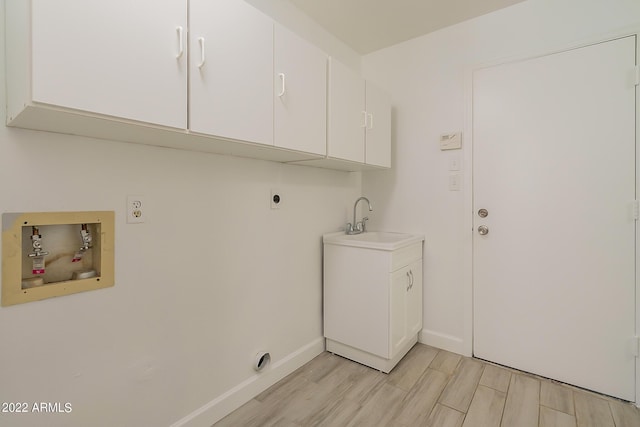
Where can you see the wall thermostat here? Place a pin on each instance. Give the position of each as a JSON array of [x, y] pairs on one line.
[[451, 141]]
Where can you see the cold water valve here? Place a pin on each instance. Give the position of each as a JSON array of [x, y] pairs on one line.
[[85, 234]]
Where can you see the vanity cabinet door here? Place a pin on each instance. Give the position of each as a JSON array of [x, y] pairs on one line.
[[405, 305], [414, 299], [398, 310]]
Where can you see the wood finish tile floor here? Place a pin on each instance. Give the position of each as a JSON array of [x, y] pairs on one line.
[[429, 387]]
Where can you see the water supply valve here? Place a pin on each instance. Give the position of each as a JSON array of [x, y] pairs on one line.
[[85, 234], [38, 253], [86, 238]]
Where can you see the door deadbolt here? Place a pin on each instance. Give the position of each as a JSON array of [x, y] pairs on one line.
[[483, 213], [483, 230]]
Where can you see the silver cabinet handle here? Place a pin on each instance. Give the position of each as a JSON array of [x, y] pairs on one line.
[[483, 230], [410, 279]]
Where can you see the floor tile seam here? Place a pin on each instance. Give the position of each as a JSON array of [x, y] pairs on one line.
[[556, 409], [407, 398], [475, 389], [419, 382], [455, 369], [451, 407], [513, 378], [578, 423], [506, 397], [332, 409], [477, 383], [623, 405], [493, 388]]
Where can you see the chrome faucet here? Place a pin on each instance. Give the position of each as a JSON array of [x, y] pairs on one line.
[[358, 227]]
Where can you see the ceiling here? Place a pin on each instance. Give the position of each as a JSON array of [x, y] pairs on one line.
[[369, 25]]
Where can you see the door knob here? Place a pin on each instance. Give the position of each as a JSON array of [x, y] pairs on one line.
[[483, 230]]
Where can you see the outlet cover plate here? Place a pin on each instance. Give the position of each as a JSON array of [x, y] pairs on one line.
[[136, 210]]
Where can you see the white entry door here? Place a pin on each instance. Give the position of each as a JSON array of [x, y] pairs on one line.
[[554, 168]]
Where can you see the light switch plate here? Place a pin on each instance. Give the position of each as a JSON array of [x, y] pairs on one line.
[[454, 182], [454, 163]]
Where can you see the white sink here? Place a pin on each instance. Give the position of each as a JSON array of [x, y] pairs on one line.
[[383, 240]]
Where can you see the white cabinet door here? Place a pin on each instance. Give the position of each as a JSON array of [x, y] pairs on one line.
[[378, 133], [414, 299], [118, 58], [300, 101], [398, 309], [359, 119], [231, 69], [346, 114], [405, 305]]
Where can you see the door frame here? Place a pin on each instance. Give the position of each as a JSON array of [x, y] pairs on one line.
[[467, 342]]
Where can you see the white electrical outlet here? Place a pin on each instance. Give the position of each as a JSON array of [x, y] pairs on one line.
[[135, 210]]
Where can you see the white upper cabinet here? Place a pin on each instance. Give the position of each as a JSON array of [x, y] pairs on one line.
[[378, 129], [118, 58], [207, 75], [300, 101], [231, 69], [346, 113], [359, 119]]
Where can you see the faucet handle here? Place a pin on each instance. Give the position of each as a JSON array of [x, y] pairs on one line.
[[364, 223]]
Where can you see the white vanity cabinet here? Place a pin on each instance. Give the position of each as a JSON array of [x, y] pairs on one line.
[[116, 58], [372, 297]]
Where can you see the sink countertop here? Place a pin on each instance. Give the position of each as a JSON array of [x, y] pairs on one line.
[[381, 240]]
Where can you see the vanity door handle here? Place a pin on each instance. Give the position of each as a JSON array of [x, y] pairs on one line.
[[409, 279]]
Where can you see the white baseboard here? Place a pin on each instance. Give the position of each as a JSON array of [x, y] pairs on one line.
[[231, 400], [443, 341]]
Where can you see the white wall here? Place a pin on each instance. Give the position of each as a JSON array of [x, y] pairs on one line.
[[211, 278], [284, 12], [426, 78]]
